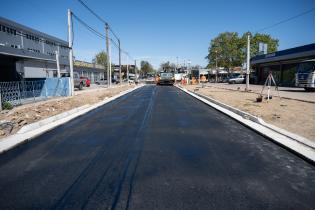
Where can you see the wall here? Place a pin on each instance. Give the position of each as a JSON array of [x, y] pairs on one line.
[[37, 43], [56, 87]]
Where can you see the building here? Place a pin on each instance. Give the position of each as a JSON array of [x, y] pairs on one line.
[[93, 71], [283, 64], [27, 54]]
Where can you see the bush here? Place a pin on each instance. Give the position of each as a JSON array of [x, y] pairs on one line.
[[7, 105]]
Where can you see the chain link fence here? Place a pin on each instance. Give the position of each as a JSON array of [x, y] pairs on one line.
[[22, 92]]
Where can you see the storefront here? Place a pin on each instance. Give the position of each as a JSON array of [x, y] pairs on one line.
[[282, 64]]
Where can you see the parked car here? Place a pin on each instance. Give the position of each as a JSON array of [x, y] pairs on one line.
[[237, 80], [78, 82], [87, 81], [101, 81]]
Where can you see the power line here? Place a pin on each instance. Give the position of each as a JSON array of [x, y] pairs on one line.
[[110, 29], [286, 20], [100, 35], [98, 17]]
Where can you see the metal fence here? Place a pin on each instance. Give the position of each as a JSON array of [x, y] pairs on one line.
[[22, 92], [19, 92]]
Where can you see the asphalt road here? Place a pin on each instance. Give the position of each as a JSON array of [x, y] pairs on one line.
[[155, 148]]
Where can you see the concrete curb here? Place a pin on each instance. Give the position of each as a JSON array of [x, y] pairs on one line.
[[253, 118], [48, 120], [35, 129], [296, 143]]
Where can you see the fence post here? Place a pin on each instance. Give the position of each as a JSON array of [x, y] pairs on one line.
[[33, 90], [19, 93], [0, 99], [46, 88]]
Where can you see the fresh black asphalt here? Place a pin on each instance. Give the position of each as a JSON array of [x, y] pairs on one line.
[[155, 148]]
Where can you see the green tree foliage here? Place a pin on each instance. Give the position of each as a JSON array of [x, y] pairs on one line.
[[225, 49], [229, 49], [146, 67], [101, 58], [254, 43], [167, 66]]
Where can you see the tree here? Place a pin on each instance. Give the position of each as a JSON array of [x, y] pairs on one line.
[[229, 50], [254, 44], [225, 50], [101, 58], [167, 66], [146, 67], [196, 67]]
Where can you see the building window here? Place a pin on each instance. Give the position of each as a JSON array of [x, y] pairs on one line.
[[50, 43], [51, 54], [32, 37], [33, 50], [8, 30]]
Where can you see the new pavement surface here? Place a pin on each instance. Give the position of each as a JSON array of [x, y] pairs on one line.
[[155, 148]]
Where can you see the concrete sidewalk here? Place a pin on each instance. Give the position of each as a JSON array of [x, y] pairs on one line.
[[285, 92]]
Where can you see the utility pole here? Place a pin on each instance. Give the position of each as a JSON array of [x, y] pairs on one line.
[[120, 79], [216, 66], [136, 71], [110, 63], [107, 53], [127, 69], [248, 62], [58, 65], [70, 52]]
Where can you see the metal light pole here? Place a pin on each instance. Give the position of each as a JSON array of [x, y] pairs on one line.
[[248, 62], [120, 79], [70, 52]]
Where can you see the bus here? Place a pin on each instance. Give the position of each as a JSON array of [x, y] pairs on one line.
[[305, 76]]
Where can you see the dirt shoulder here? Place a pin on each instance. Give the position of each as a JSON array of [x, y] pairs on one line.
[[292, 115], [11, 121]]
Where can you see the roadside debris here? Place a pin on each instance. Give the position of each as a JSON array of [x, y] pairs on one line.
[[6, 127]]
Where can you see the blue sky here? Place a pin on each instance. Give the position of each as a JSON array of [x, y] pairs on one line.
[[162, 30]]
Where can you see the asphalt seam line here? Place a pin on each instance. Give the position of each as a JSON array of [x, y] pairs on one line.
[[274, 133], [30, 131]]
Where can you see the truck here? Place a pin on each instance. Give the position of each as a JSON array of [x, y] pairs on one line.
[[78, 82], [305, 76], [165, 78]]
